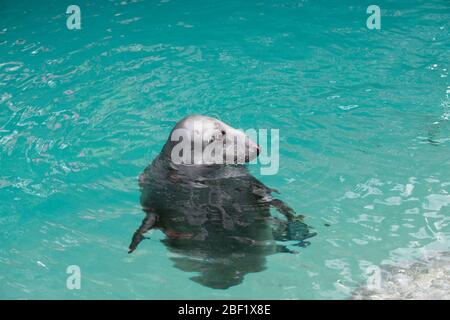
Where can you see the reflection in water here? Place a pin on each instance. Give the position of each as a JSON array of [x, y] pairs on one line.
[[216, 219]]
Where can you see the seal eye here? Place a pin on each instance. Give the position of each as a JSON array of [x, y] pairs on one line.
[[223, 132], [211, 140]]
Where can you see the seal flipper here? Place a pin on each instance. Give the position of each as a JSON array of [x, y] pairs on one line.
[[279, 229], [283, 208], [148, 223], [295, 228], [299, 231]]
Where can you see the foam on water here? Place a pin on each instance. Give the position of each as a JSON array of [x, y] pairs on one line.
[[423, 278]]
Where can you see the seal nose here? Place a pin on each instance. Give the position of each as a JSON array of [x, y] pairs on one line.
[[258, 150]]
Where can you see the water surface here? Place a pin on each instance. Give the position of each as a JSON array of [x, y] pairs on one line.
[[364, 135]]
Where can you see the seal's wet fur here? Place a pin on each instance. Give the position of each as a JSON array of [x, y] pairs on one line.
[[216, 219]]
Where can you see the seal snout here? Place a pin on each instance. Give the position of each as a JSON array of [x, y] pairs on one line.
[[201, 140], [247, 156]]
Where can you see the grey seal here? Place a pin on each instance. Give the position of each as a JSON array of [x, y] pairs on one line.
[[216, 216]]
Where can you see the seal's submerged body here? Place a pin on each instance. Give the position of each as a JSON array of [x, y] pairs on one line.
[[216, 217]]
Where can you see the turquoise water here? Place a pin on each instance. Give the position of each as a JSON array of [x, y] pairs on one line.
[[364, 135]]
